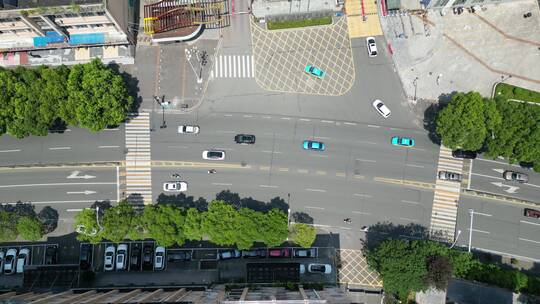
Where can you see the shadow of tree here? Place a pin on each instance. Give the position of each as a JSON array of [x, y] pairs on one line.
[[49, 218], [235, 200], [181, 200], [381, 232], [302, 217], [20, 208], [430, 116]]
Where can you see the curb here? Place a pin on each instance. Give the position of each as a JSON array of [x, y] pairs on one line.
[[64, 165]]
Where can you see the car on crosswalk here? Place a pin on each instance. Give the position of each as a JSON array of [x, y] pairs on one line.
[[449, 176]]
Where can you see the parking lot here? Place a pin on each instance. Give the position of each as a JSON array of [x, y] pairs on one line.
[[37, 252]]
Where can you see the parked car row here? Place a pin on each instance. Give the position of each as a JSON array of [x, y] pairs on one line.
[[119, 257], [227, 254], [12, 261]]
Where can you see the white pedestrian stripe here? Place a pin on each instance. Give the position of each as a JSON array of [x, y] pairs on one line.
[[445, 200], [233, 66], [138, 169]]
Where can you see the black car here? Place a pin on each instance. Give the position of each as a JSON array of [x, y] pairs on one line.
[[254, 253], [85, 259], [464, 154], [527, 165], [135, 259], [148, 257], [178, 256], [305, 252], [245, 139], [51, 255]]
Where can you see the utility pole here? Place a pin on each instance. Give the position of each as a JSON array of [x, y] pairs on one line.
[[471, 212]]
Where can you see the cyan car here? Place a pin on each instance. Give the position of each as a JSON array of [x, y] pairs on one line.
[[402, 141], [315, 71], [313, 145]]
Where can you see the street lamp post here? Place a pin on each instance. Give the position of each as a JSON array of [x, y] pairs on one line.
[[289, 209], [97, 218], [471, 212], [455, 241], [415, 82]]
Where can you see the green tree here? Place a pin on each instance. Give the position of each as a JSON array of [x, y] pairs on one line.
[[192, 225], [466, 121], [8, 226], [303, 234], [220, 223], [8, 83], [117, 222], [30, 229], [248, 222], [97, 98], [87, 227], [273, 228], [164, 223]]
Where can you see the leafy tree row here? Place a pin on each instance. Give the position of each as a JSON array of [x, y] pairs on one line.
[[222, 224], [90, 95], [497, 126], [411, 266], [12, 226]]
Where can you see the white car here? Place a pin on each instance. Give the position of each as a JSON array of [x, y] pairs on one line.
[[175, 186], [213, 155], [9, 264], [381, 108], [121, 256], [159, 261], [371, 47], [109, 258], [320, 268], [22, 259], [188, 129]]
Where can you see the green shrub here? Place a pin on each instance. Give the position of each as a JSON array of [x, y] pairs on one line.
[[279, 25]]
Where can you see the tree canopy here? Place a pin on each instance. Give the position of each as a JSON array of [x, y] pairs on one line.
[[303, 234], [29, 228]]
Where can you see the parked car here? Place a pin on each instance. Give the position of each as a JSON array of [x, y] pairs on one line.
[[188, 129], [23, 259], [381, 108], [532, 213], [229, 254], [175, 186], [135, 258], [527, 165], [51, 255], [148, 257], [121, 257], [320, 268], [313, 145], [2, 258], [159, 263], [515, 176], [314, 71], [213, 155], [371, 47], [245, 139], [254, 253], [464, 154], [305, 252], [9, 264], [179, 256], [85, 259], [279, 252], [108, 264], [402, 141], [450, 176]]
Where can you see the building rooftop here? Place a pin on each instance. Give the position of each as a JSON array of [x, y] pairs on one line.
[[24, 4]]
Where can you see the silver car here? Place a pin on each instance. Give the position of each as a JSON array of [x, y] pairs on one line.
[[515, 176], [450, 176]]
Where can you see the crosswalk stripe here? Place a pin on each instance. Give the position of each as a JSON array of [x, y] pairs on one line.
[[138, 175], [233, 66]]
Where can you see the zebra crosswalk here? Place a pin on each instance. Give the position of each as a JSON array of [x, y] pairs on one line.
[[233, 66], [138, 161], [445, 200]]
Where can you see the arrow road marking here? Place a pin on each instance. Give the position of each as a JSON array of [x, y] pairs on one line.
[[499, 170], [75, 174], [85, 192], [511, 189]]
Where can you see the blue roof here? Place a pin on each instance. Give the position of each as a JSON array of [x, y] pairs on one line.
[[94, 38]]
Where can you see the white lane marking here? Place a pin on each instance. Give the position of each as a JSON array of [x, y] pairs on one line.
[[268, 186], [366, 142], [481, 231], [470, 175], [408, 219], [373, 126], [410, 202], [480, 213], [267, 117], [54, 184], [318, 155], [497, 162], [363, 195], [224, 149], [248, 116], [488, 176], [60, 202], [221, 184], [227, 115], [268, 151], [7, 151], [527, 240], [525, 222], [286, 118], [360, 212], [180, 147], [311, 207], [315, 190], [350, 123], [304, 119], [414, 166], [417, 149], [60, 148], [85, 192], [73, 210], [327, 121], [396, 129], [108, 147], [321, 137], [227, 132], [366, 160], [500, 171]]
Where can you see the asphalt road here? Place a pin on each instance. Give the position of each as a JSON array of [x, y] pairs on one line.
[[499, 228]]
